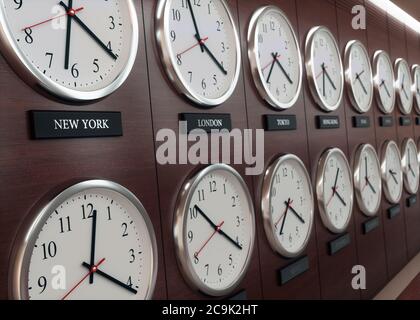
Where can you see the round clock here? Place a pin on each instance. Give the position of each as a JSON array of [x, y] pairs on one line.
[[93, 241], [214, 230], [199, 48], [275, 59], [392, 173], [287, 205], [75, 51], [416, 87], [404, 86], [324, 68], [359, 77], [384, 81], [410, 166], [367, 179], [334, 189]]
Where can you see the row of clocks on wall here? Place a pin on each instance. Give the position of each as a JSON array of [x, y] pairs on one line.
[[101, 235], [200, 52]]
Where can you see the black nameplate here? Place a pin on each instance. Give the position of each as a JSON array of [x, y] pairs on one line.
[[411, 201], [75, 124], [370, 225], [386, 121], [405, 121], [417, 121], [241, 295], [328, 122], [338, 244], [361, 122], [280, 123], [207, 121], [292, 271], [394, 211]]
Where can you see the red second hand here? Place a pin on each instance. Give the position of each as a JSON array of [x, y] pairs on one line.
[[287, 208], [92, 270], [202, 41], [71, 12], [332, 196], [269, 64], [208, 240]]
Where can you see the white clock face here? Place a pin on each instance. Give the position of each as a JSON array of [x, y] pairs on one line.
[[324, 68], [359, 76], [367, 179], [78, 50], [200, 48], [275, 57], [404, 86], [335, 190], [416, 87], [392, 174], [214, 230], [288, 206], [410, 166], [384, 82], [96, 243]]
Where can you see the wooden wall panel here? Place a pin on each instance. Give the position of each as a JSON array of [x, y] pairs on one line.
[[335, 271], [277, 143], [30, 170], [370, 246]]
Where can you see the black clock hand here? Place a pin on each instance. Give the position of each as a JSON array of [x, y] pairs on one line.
[[287, 203], [93, 244], [336, 179], [68, 36], [366, 166], [195, 24], [361, 83], [370, 186], [212, 57], [215, 227], [341, 199], [297, 215], [393, 174], [323, 80], [271, 70], [91, 33], [329, 78], [386, 88], [281, 67], [112, 279]]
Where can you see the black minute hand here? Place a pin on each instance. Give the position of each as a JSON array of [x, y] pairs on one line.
[[195, 24], [93, 244], [90, 32], [68, 36]]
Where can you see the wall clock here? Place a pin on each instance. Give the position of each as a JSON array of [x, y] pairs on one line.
[[404, 86], [287, 205], [214, 230], [274, 56], [199, 48], [359, 76], [76, 50], [410, 166], [392, 173], [334, 189], [384, 81], [98, 236], [416, 87], [324, 68], [367, 179]]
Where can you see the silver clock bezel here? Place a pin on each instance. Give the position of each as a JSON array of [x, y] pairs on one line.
[[257, 76], [357, 182], [26, 239], [320, 190], [177, 80], [377, 81], [405, 168], [399, 63], [416, 103], [266, 204], [37, 80], [179, 227], [388, 144], [310, 71], [348, 75]]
